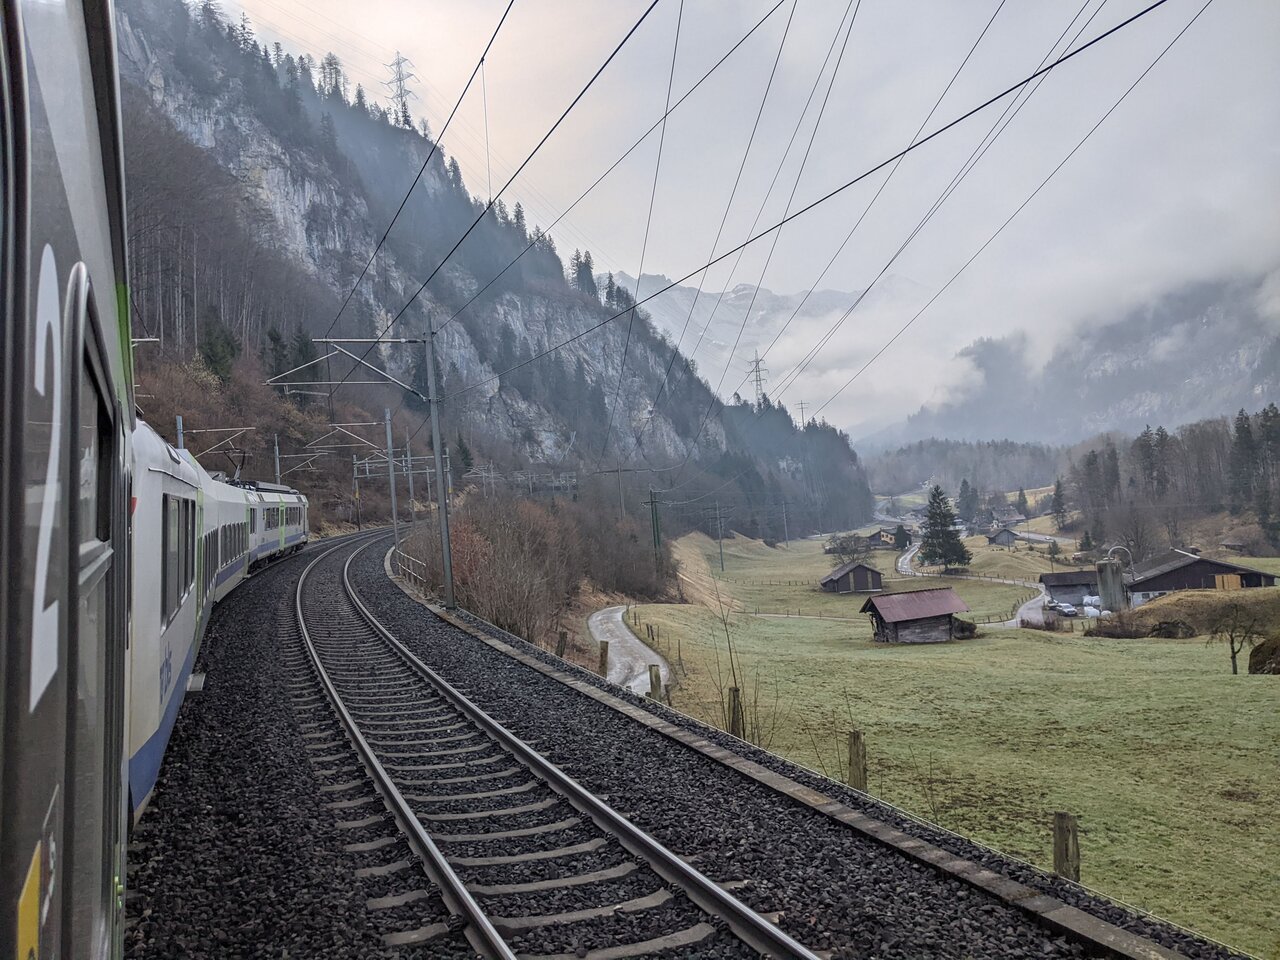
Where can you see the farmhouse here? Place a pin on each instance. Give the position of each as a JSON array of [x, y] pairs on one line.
[[854, 577], [1004, 538], [1071, 586], [920, 616], [1184, 570]]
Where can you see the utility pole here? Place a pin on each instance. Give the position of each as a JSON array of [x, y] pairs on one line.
[[179, 419], [355, 487], [786, 537], [275, 440], [720, 534], [391, 477], [801, 404], [442, 481], [653, 502], [408, 472], [757, 370], [398, 90]]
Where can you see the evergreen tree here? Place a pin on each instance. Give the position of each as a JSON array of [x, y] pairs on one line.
[[219, 349], [361, 103], [940, 542], [1086, 542], [1244, 462], [517, 218], [406, 121], [585, 276], [1021, 504], [901, 539], [967, 502], [464, 454], [1059, 504]]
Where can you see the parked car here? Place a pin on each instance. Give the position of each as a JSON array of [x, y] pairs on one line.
[[1067, 610]]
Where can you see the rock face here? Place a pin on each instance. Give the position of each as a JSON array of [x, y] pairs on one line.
[[1265, 657], [326, 203]]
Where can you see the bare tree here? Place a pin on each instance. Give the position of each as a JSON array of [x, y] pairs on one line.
[[1238, 629]]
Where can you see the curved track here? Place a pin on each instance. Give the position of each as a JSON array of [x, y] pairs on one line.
[[522, 858]]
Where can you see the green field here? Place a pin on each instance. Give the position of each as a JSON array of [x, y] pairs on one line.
[[1169, 761]]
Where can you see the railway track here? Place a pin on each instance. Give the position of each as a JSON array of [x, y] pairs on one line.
[[521, 859]]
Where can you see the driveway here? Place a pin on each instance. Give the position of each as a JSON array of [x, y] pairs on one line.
[[629, 659]]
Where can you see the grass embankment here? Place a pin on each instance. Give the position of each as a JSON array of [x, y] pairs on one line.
[[1170, 762]]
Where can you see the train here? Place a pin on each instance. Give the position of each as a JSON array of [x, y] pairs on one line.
[[114, 546], [196, 536]]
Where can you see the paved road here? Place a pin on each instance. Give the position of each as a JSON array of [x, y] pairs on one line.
[[904, 561], [1032, 611], [629, 659]]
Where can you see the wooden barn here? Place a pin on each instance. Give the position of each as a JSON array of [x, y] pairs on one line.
[[1004, 538], [920, 616], [1071, 586], [855, 577], [1184, 570]]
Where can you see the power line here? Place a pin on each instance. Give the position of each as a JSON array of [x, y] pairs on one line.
[[644, 244], [1019, 209], [965, 169], [421, 170], [824, 198], [492, 200]]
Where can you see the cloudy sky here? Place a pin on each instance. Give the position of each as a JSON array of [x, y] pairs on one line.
[[1181, 183]]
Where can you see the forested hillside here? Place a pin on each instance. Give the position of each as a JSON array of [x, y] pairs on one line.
[[988, 465], [260, 181]]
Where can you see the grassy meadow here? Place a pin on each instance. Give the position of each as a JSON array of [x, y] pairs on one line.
[[1170, 762]]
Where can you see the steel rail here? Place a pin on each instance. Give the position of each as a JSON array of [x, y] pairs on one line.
[[747, 925], [480, 932]]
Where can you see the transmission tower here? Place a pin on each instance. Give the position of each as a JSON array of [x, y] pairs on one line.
[[758, 373], [399, 92]]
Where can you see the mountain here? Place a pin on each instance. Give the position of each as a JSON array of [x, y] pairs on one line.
[[706, 324], [259, 184], [1203, 352]]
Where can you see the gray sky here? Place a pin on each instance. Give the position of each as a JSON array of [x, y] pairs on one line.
[[1182, 183]]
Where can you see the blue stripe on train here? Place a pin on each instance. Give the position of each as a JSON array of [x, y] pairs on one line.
[[144, 766]]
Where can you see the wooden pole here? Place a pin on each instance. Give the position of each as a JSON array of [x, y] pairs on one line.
[[603, 669], [1066, 846], [857, 761], [562, 642], [655, 681], [735, 712]]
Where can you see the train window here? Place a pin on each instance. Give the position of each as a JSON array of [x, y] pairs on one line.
[[169, 573], [95, 431], [253, 516]]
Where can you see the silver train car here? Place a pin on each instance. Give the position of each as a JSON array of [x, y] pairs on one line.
[[68, 416], [195, 538], [113, 545]]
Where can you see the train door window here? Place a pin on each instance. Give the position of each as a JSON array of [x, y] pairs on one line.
[[169, 566], [96, 661]]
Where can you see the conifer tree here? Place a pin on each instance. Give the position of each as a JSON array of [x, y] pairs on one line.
[[1023, 507], [1059, 505], [940, 542]]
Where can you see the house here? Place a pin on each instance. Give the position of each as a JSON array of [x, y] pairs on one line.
[[1004, 538], [1235, 546], [1185, 570], [855, 577], [1071, 586], [919, 616], [1007, 516]]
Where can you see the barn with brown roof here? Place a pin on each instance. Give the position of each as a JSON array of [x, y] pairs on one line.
[[919, 616], [853, 577]]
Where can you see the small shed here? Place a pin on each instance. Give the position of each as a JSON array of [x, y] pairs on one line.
[[1003, 538], [1071, 586], [919, 616], [855, 577]]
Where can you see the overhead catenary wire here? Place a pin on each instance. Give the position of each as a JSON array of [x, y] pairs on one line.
[[1020, 208], [648, 223], [489, 206], [418, 177], [975, 156], [821, 199]]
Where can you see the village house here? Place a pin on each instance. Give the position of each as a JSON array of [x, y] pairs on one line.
[[919, 616], [855, 577], [1071, 586], [1187, 570]]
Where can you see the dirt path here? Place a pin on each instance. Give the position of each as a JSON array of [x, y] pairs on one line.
[[629, 659]]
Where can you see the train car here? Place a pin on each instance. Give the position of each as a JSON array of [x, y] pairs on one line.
[[196, 537], [67, 389]]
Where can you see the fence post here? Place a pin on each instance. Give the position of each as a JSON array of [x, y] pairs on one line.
[[603, 668], [735, 712], [1066, 847], [857, 761], [655, 682], [561, 642]]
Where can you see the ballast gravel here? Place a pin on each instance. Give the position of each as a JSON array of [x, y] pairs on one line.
[[236, 855], [835, 889]]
